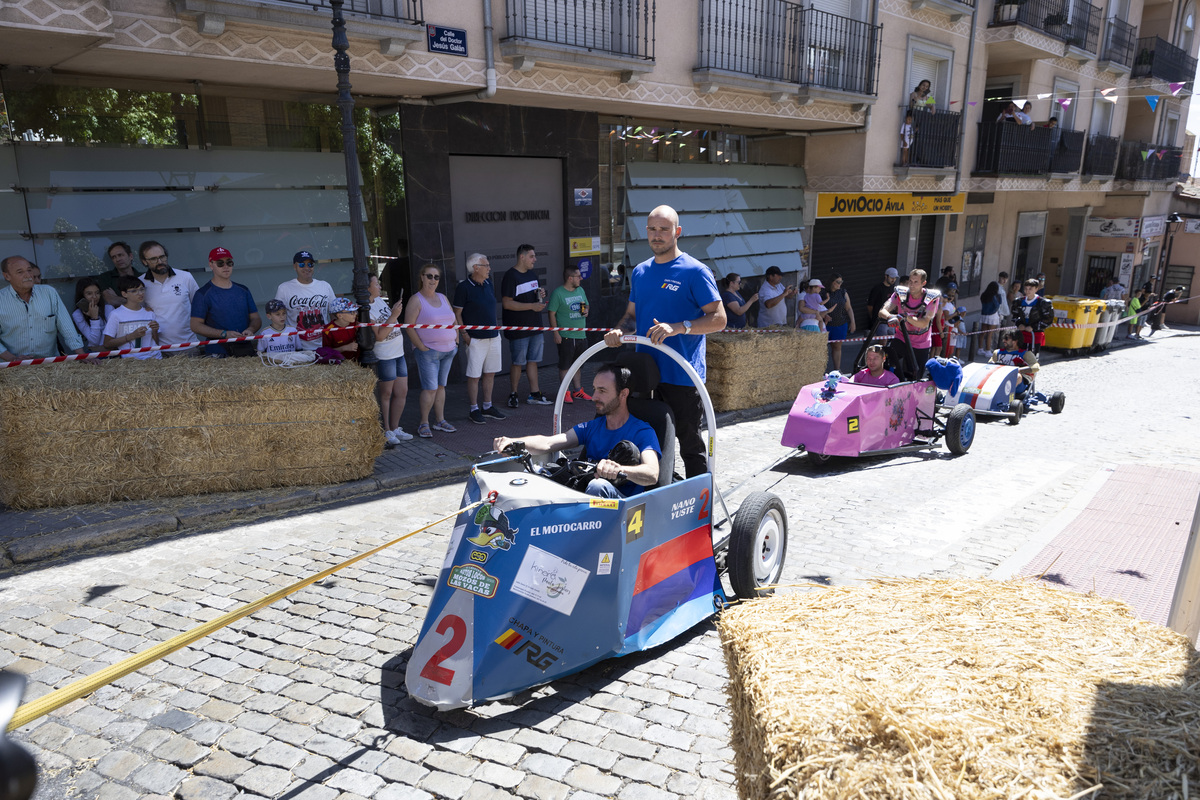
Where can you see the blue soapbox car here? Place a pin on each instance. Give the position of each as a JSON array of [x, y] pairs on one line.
[[541, 580]]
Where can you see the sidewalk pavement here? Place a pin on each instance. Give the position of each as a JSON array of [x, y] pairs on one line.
[[29, 537]]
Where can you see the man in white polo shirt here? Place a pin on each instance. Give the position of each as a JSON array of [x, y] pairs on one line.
[[169, 294], [307, 301]]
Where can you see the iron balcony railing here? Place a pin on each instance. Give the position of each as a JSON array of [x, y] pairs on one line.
[[935, 138], [1119, 39], [1009, 148], [1082, 28], [623, 27], [749, 37], [1074, 21], [833, 52], [1157, 58], [402, 10], [1101, 156], [783, 41], [1066, 149], [1146, 161]]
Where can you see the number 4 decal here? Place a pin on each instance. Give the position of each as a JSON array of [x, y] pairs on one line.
[[434, 670], [635, 523]]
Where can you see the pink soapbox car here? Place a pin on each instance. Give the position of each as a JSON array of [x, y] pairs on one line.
[[838, 417]]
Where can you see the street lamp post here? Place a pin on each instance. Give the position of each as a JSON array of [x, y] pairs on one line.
[[358, 236]]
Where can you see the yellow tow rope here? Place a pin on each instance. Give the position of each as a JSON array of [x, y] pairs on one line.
[[85, 686]]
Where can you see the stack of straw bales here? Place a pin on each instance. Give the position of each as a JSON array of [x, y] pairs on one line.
[[746, 370], [129, 429], [964, 689]]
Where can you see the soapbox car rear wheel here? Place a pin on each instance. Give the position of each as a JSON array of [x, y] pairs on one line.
[[960, 429], [757, 545], [1017, 409], [1057, 401]]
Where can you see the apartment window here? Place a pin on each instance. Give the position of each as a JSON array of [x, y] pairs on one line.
[[1102, 113], [1187, 27], [1170, 128], [1064, 90], [928, 61]]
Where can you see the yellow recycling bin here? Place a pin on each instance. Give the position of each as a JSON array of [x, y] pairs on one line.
[[1073, 311]]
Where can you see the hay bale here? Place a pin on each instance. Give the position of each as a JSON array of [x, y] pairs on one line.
[[126, 429], [756, 369], [959, 689]]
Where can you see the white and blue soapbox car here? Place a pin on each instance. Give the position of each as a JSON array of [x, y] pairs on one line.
[[542, 580]]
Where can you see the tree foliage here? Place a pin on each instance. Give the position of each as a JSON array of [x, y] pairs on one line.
[[80, 115]]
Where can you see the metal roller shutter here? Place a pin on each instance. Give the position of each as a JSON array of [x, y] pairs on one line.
[[926, 234], [857, 249]]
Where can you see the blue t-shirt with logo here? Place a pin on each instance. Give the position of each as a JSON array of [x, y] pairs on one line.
[[228, 309], [599, 440], [673, 292]]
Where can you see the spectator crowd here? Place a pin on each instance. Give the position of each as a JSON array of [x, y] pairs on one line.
[[124, 308]]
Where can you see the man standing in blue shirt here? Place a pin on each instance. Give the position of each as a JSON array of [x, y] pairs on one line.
[[223, 309], [33, 319], [612, 424], [673, 300]]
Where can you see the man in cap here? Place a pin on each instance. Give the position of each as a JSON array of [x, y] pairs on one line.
[[223, 309], [169, 294], [880, 294], [33, 319], [307, 300], [772, 309]]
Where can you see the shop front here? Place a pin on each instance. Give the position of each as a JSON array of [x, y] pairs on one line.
[[859, 235]]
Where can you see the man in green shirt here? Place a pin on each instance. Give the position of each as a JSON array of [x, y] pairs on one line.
[[568, 309]]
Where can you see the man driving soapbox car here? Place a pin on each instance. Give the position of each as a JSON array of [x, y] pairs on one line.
[[542, 580]]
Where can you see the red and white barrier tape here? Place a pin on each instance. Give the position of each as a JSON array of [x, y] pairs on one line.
[[534, 328]]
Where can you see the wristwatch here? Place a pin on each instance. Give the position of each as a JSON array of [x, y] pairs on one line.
[[687, 326]]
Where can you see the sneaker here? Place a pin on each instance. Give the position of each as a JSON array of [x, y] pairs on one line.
[[401, 435], [476, 416], [423, 431], [444, 426], [567, 398], [538, 399], [494, 413], [580, 394], [514, 401], [982, 352], [390, 436]]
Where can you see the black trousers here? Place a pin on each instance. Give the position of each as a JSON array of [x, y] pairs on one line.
[[685, 403]]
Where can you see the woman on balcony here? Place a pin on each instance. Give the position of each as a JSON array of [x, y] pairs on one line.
[[922, 98]]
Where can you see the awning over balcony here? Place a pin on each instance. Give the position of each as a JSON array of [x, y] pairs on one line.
[[736, 217]]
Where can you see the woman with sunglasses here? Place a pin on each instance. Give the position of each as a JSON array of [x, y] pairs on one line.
[[435, 349]]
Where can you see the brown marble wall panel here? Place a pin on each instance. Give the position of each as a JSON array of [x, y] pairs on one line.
[[432, 133]]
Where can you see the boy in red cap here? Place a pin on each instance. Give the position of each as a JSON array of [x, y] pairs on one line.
[[223, 309]]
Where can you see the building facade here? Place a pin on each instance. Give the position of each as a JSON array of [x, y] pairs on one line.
[[776, 128]]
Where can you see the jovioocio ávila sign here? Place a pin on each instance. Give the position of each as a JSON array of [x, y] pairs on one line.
[[844, 205]]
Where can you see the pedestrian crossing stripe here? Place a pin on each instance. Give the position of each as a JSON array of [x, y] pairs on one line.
[[508, 639]]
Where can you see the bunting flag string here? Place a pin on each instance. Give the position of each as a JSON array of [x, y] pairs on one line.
[[1175, 87], [1152, 99], [1064, 101]]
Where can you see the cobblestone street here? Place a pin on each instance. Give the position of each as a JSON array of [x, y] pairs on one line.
[[305, 700]]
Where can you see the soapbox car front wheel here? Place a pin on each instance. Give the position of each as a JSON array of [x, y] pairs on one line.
[[757, 545], [1057, 401], [1017, 409], [960, 429]]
